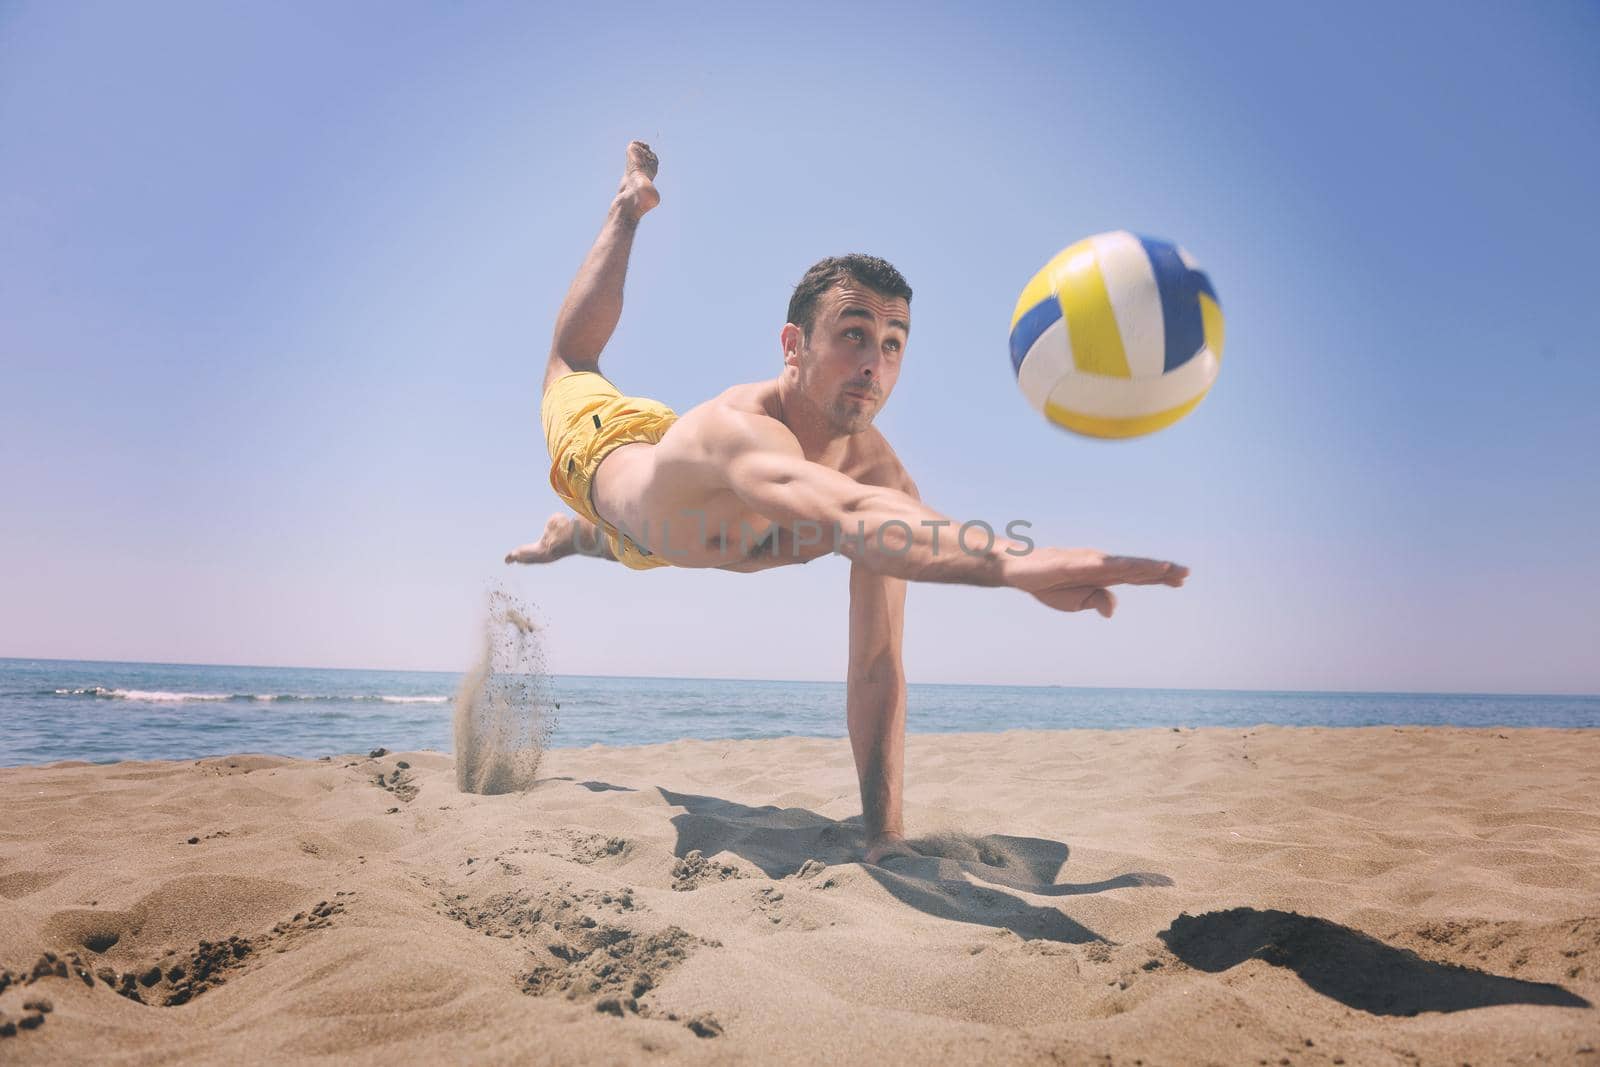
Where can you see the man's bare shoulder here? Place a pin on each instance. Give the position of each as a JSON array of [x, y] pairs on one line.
[[751, 398], [740, 418]]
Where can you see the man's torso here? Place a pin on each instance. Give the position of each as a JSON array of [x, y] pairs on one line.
[[673, 497]]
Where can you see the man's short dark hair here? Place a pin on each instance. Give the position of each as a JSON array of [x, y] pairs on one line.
[[869, 271]]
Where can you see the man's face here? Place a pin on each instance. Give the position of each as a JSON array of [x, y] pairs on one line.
[[851, 361]]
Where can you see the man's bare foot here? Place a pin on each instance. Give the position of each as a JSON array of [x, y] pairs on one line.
[[556, 542], [887, 846], [638, 193]]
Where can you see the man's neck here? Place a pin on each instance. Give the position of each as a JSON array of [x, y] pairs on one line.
[[818, 438]]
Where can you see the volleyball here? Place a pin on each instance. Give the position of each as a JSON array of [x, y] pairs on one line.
[[1117, 336]]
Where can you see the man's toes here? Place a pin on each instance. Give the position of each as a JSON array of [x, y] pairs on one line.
[[526, 553], [641, 158], [1151, 572]]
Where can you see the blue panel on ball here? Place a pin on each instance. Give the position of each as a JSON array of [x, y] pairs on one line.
[[1180, 302], [1035, 321]]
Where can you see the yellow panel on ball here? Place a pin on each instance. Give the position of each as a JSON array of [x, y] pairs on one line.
[[1135, 426], [1211, 316]]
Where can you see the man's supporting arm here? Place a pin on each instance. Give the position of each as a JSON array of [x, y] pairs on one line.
[[875, 702]]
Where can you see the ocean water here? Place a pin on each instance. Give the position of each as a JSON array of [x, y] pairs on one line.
[[102, 712]]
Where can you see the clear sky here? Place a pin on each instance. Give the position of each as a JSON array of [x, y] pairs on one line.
[[277, 282]]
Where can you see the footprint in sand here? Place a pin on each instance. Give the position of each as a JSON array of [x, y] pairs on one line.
[[127, 951], [577, 946], [693, 870]]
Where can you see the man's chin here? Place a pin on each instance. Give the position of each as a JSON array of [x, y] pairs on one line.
[[852, 422]]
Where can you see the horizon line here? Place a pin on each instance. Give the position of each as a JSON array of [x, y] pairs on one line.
[[814, 681]]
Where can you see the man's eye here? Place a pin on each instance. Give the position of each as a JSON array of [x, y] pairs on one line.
[[854, 333]]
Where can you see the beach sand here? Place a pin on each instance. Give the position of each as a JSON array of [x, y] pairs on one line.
[[1272, 895]]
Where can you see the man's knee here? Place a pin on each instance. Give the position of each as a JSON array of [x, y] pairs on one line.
[[558, 365]]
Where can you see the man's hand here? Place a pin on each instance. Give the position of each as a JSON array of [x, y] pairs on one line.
[[1075, 579], [885, 847]]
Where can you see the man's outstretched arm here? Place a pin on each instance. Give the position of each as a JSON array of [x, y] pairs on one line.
[[893, 534]]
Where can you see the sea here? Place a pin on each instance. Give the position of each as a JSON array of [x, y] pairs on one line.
[[103, 712]]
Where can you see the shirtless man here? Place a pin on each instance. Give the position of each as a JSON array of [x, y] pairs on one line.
[[783, 471]]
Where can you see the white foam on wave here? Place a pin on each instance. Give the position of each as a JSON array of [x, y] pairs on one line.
[[158, 695], [162, 696]]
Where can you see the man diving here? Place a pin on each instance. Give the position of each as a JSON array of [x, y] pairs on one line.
[[784, 471]]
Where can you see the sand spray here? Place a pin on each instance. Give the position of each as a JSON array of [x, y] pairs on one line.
[[504, 713]]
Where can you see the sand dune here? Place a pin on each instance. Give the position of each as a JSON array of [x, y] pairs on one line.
[[1273, 896]]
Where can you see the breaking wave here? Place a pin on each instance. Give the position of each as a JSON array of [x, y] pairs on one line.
[[162, 696]]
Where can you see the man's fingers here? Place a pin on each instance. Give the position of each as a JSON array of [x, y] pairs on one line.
[[1132, 570], [1080, 598], [1102, 600]]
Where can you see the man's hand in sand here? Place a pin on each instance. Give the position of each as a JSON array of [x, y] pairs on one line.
[[886, 847]]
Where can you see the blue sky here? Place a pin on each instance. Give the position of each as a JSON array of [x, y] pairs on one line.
[[279, 280]]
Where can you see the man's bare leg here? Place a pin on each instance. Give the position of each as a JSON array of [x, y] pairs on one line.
[[587, 319], [593, 305], [564, 535]]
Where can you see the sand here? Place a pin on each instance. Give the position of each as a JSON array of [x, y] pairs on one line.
[[1275, 895]]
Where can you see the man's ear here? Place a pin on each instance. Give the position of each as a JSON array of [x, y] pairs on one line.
[[791, 337]]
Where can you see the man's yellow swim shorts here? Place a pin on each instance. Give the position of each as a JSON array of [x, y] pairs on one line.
[[585, 420]]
